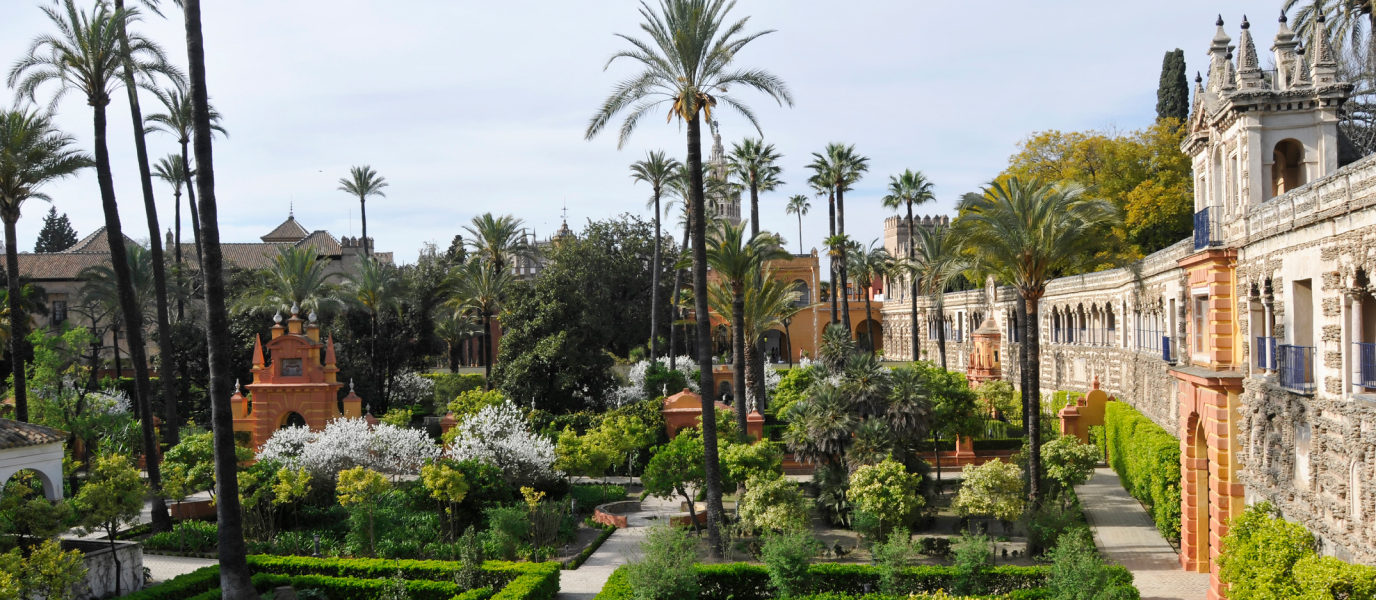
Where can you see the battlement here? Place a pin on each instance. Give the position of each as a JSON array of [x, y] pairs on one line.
[[897, 221]]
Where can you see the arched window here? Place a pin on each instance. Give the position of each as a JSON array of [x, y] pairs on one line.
[[1287, 167], [804, 295]]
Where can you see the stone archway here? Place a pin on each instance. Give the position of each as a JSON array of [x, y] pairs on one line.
[[1194, 498], [29, 447], [291, 418]]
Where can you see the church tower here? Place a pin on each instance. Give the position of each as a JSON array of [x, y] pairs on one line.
[[725, 204]]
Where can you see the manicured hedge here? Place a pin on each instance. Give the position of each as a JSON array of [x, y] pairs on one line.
[[740, 581], [577, 561], [1147, 459], [1037, 594], [358, 578]]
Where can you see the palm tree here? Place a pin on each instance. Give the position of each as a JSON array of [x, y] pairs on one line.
[[769, 302], [150, 207], [798, 205], [481, 287], [171, 170], [1028, 232], [296, 277], [754, 162], [454, 328], [178, 122], [374, 286], [818, 182], [736, 259], [656, 170], [100, 285], [870, 265], [841, 168], [1348, 23], [678, 186], [363, 182], [499, 240], [234, 574], [33, 153], [908, 190], [935, 264], [29, 304], [85, 56], [688, 64]]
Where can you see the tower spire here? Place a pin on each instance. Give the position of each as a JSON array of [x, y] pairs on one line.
[[1249, 75], [1220, 59], [1287, 61], [1325, 62]]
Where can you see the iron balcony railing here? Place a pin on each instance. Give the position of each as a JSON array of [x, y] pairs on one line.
[[1166, 351], [1148, 339], [1266, 353], [1207, 229], [1366, 364], [1295, 365], [1081, 337]]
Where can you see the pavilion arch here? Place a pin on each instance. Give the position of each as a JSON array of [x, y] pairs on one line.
[[1287, 166], [804, 293], [29, 447], [50, 482], [291, 418], [870, 334]]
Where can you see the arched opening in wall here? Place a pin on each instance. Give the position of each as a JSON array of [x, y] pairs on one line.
[[1200, 488], [24, 485], [775, 346], [1287, 166], [292, 419], [724, 391], [869, 334], [804, 295]]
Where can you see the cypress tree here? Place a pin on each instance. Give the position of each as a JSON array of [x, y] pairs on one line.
[[57, 234], [1173, 93]]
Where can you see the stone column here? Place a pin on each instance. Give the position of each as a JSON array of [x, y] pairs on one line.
[[1268, 305], [1356, 338]]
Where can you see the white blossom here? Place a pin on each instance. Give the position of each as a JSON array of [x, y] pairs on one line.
[[409, 389], [499, 435], [349, 443]]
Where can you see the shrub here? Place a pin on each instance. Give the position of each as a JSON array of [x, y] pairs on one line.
[[972, 558], [472, 401], [892, 556], [786, 557], [1260, 552], [190, 536], [939, 547], [591, 495], [888, 492], [448, 386], [744, 462], [1077, 573], [793, 386], [1327, 578], [993, 488], [47, 573], [774, 504], [500, 436], [665, 568], [1051, 522], [1148, 460], [1068, 462], [739, 581]]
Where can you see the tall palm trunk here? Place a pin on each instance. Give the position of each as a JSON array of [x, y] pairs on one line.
[[1033, 398], [941, 332], [18, 323], [177, 247], [372, 356], [119, 259], [831, 260], [150, 208], [654, 287], [912, 286], [1021, 315], [114, 336], [487, 350], [845, 270], [191, 204], [738, 355], [698, 224], [869, 322], [234, 573], [678, 289], [363, 216]]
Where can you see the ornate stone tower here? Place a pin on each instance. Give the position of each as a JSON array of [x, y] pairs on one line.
[[728, 207], [297, 388]]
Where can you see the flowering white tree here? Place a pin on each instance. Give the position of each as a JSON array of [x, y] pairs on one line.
[[634, 390], [410, 389], [348, 443], [499, 435]]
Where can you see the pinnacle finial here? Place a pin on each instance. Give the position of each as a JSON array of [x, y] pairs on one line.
[[351, 385], [1198, 78], [1219, 22], [295, 309], [277, 318], [237, 388], [1245, 24], [1282, 16], [311, 316], [1321, 18]]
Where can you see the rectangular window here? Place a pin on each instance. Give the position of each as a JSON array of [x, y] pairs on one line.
[[59, 311], [1303, 313], [291, 367], [1201, 321]]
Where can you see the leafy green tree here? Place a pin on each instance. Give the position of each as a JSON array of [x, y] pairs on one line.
[[689, 64], [906, 191], [665, 569], [994, 489], [774, 504], [470, 402], [793, 386], [798, 205], [57, 233], [954, 411], [195, 456], [1068, 462], [111, 498], [449, 487], [972, 558], [676, 466], [1173, 93], [1027, 233], [1260, 552], [787, 556], [581, 454], [747, 462], [888, 492], [656, 170], [365, 489], [47, 573], [26, 514], [33, 153], [364, 182]]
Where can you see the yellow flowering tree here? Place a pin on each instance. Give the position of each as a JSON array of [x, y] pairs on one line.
[[993, 488], [448, 487], [365, 489], [111, 498], [887, 492]]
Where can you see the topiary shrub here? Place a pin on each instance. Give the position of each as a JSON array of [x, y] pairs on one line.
[[1147, 458]]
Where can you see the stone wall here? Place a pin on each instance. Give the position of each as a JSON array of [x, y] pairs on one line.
[[100, 568]]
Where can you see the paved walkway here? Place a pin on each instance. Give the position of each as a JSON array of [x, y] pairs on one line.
[[587, 580], [1124, 532], [166, 567]]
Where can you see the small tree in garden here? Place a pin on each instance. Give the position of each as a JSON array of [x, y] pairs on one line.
[[774, 504], [887, 492], [501, 436], [1078, 573], [787, 556], [9, 584], [195, 456], [111, 498], [892, 556], [469, 574], [291, 487], [745, 462], [972, 558], [664, 570], [999, 396], [47, 573], [954, 411], [176, 486], [448, 487], [621, 435], [993, 488], [365, 489], [470, 402], [1068, 462], [581, 454], [674, 467], [26, 514]]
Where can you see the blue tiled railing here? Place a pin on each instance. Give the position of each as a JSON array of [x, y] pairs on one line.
[[1295, 365]]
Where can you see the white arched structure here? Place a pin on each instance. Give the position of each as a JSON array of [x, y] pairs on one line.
[[25, 446]]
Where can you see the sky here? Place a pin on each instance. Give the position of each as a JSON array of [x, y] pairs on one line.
[[473, 107]]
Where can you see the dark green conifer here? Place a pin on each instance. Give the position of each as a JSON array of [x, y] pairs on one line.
[[57, 234], [1173, 94]]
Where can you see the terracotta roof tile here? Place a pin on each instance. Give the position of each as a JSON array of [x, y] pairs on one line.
[[289, 231], [59, 265], [323, 242], [14, 434]]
